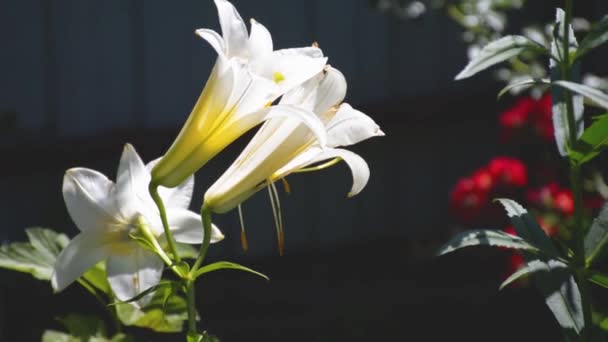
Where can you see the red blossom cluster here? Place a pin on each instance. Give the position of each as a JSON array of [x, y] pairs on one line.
[[528, 115], [471, 195], [527, 122]]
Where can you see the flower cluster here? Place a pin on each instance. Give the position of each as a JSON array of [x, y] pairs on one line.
[[134, 223], [527, 118], [470, 197]]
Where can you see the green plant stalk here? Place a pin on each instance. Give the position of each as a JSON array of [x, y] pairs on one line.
[[189, 281], [206, 219], [576, 183], [104, 303], [190, 298], [153, 189]]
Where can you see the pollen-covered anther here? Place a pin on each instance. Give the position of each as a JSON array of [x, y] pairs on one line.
[[278, 77]]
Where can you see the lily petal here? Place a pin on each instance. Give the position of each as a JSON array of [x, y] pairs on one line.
[[349, 126], [131, 274], [214, 39], [281, 111], [287, 71], [178, 197], [260, 40], [310, 51], [234, 30], [187, 227], [357, 165], [86, 194], [132, 181], [331, 91], [82, 253]]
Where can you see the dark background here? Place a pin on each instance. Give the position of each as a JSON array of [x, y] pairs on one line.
[[78, 79]]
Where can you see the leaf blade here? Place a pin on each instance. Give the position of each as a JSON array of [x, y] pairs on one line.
[[496, 52], [495, 238], [216, 266], [597, 36]]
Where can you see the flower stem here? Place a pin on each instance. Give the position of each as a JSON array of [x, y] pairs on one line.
[[190, 280], [153, 189], [576, 183], [206, 219], [190, 298]]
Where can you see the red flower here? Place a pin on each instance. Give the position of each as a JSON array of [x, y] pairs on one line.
[[509, 172], [542, 118], [564, 202], [530, 114], [543, 197], [483, 179], [467, 200]]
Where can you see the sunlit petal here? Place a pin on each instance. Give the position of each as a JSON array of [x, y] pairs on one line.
[[86, 194], [260, 40], [234, 30], [349, 126], [132, 181], [357, 165], [82, 253], [131, 274], [186, 227], [178, 197], [214, 39]]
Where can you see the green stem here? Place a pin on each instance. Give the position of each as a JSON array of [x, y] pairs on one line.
[[206, 218], [153, 188], [576, 183], [103, 302], [189, 283], [190, 297]]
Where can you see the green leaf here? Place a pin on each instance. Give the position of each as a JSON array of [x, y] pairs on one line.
[[194, 337], [165, 313], [485, 238], [597, 36], [598, 278], [552, 279], [527, 228], [530, 267], [97, 277], [186, 251], [496, 52], [592, 94], [596, 239], [559, 108], [562, 295], [221, 265], [83, 328], [593, 141], [525, 83], [36, 257], [204, 337], [161, 285], [56, 336]]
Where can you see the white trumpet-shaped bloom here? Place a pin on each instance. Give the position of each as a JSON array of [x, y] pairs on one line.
[[248, 76], [106, 213], [284, 145]]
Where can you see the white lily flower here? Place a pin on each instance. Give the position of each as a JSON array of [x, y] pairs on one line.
[[106, 213], [248, 76], [284, 145]]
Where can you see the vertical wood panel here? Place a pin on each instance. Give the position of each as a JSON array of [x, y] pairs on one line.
[[93, 66], [21, 63], [173, 57]]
